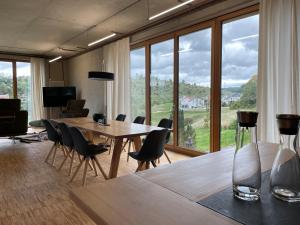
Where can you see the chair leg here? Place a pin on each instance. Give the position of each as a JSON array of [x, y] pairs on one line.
[[126, 142], [79, 157], [91, 166], [50, 152], [167, 156], [100, 168], [140, 166], [110, 147], [64, 150], [71, 164], [94, 166], [153, 164], [54, 154], [87, 162], [76, 171], [65, 159], [129, 147]]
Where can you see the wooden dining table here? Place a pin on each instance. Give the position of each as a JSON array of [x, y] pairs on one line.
[[167, 194], [116, 130]]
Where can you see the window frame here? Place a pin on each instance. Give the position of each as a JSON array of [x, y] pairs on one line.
[[216, 72], [14, 73]]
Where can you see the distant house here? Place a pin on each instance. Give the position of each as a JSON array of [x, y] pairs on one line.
[[188, 102], [227, 99]]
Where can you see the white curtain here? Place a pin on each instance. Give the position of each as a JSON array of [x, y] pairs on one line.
[[117, 60], [37, 83], [278, 81]]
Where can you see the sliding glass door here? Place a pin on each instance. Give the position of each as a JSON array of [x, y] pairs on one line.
[[239, 72], [194, 90], [137, 83], [24, 86], [15, 82], [199, 77]]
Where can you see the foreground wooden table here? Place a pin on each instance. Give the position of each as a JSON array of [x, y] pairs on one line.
[[117, 130], [167, 194]]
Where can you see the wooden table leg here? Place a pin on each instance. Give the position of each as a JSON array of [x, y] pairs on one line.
[[114, 165], [90, 136], [137, 143]]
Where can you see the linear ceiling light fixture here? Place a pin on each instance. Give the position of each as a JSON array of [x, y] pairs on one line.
[[170, 9], [102, 39], [57, 58]]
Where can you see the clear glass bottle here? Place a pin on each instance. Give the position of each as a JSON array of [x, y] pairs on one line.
[[246, 175], [285, 174]]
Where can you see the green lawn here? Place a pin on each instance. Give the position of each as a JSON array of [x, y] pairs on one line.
[[202, 140]]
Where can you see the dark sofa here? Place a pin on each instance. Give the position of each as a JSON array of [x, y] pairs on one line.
[[13, 120]]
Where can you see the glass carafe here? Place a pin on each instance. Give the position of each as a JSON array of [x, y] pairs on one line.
[[246, 175], [285, 174]]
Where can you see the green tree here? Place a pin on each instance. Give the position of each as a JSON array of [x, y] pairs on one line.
[[248, 95]]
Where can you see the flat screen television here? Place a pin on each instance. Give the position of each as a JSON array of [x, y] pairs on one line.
[[58, 96]]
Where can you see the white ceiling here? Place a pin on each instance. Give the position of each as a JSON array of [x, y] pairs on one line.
[[41, 27]]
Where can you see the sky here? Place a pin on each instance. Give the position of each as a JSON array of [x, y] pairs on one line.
[[239, 55]]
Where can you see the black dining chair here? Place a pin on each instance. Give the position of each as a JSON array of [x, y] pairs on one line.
[[137, 120], [67, 144], [54, 136], [88, 151], [121, 117], [166, 123], [152, 149]]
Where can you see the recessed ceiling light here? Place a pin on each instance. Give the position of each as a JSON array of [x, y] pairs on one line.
[[170, 9], [57, 58], [102, 39]]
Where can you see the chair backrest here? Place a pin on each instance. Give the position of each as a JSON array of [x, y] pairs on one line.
[[98, 116], [10, 105], [166, 123], [66, 136], [153, 146], [139, 120], [80, 143], [75, 105], [52, 133], [121, 117]]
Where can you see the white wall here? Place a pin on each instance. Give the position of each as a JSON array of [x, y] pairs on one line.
[[92, 91]]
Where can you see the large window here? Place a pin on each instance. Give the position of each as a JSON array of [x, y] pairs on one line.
[[24, 86], [15, 82], [200, 76], [194, 90], [6, 80], [239, 72], [137, 82], [161, 81]]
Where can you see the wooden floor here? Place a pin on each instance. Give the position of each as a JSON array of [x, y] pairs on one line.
[[33, 192]]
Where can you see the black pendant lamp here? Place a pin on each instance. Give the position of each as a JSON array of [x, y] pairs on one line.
[[98, 75]]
